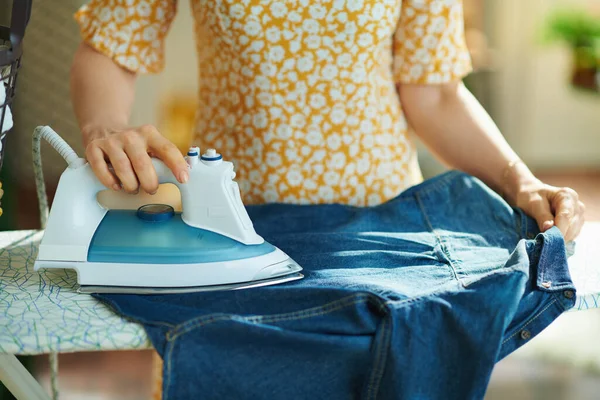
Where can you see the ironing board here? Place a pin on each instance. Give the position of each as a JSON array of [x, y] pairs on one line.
[[42, 313]]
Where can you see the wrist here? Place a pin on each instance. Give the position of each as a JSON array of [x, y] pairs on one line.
[[92, 131], [516, 179]]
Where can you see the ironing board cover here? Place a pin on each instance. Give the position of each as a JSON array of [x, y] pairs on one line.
[[42, 312]]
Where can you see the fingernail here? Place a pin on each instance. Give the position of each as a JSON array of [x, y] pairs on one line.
[[116, 187], [184, 176], [547, 225]]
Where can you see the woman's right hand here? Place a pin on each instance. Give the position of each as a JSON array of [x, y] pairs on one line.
[[129, 151]]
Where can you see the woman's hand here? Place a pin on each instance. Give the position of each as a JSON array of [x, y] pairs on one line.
[[548, 205], [129, 151]]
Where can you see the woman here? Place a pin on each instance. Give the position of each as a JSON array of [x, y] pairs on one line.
[[312, 101]]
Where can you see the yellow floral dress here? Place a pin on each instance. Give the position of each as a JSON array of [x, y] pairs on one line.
[[299, 94]]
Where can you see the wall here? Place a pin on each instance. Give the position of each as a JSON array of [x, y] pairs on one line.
[[548, 123]]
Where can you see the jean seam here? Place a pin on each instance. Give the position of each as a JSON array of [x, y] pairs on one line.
[[292, 316], [536, 316], [167, 373], [379, 364], [446, 259]]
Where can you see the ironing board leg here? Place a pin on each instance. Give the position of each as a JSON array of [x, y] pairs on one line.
[[18, 380]]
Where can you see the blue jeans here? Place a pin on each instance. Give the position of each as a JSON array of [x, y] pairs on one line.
[[417, 298]]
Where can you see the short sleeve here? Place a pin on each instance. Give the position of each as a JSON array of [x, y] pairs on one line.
[[429, 43], [130, 32]]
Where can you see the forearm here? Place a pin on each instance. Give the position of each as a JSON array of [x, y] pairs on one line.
[[102, 93], [456, 128]]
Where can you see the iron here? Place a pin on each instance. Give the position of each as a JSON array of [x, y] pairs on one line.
[[210, 245]]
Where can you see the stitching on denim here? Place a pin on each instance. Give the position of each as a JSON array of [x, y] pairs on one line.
[[442, 181], [167, 378], [529, 322], [295, 315], [440, 241], [118, 310], [379, 363]]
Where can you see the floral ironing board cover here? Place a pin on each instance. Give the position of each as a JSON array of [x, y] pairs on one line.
[[42, 312]]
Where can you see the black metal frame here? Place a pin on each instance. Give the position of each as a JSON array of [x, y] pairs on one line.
[[11, 50]]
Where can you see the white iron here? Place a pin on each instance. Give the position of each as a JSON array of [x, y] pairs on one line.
[[210, 245]]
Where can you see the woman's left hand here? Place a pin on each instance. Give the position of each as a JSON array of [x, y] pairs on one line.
[[552, 206]]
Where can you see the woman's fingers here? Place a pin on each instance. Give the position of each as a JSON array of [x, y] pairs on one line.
[[95, 156], [540, 210], [576, 223], [128, 152], [564, 202], [121, 165], [170, 155]]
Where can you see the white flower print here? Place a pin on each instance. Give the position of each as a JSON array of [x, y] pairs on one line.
[[105, 15], [314, 136], [119, 14], [319, 155], [268, 69], [317, 11], [353, 150], [278, 9], [326, 193], [350, 28], [377, 11], [270, 196], [332, 177], [291, 154], [317, 101], [260, 119], [310, 26], [416, 71], [344, 60], [262, 82], [366, 126], [438, 24], [143, 9], [339, 4], [422, 56], [337, 161], [150, 33], [338, 114], [237, 11], [256, 10], [354, 5], [244, 39], [294, 16], [252, 28], [363, 165], [365, 39], [329, 72], [336, 95], [257, 45], [276, 53], [294, 46], [313, 42], [298, 120], [373, 199], [334, 141], [273, 160], [273, 34], [265, 98], [284, 132], [429, 42], [292, 76], [359, 74], [310, 184], [305, 63]]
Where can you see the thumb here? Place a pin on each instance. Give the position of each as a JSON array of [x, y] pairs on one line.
[[543, 215]]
